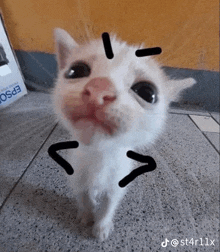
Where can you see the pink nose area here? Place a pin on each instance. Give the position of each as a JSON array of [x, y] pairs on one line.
[[99, 91]]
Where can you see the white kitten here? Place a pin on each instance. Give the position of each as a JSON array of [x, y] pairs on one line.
[[109, 106]]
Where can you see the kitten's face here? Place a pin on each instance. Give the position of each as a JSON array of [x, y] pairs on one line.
[[124, 98]]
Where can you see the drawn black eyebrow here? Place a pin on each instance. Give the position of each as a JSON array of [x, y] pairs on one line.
[[148, 51], [107, 45], [139, 53]]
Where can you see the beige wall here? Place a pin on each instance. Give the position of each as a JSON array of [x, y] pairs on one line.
[[186, 30]]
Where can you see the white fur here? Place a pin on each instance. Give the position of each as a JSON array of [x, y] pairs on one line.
[[100, 161]]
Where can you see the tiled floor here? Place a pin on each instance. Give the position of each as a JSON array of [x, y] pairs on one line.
[[179, 200]]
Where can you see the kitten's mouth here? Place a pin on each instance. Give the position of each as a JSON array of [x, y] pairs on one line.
[[83, 122]]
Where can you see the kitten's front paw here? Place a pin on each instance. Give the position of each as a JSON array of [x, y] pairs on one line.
[[102, 230]]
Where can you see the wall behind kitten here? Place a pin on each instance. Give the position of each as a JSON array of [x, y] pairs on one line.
[[187, 31]]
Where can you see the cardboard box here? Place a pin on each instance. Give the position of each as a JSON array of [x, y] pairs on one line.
[[12, 85]]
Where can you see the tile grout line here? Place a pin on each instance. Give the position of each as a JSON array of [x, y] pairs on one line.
[[187, 114], [201, 113], [22, 175], [203, 134], [214, 118]]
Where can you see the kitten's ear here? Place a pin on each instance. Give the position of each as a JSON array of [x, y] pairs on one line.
[[64, 43], [177, 86]]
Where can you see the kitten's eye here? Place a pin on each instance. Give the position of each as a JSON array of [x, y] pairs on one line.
[[78, 70], [146, 90]]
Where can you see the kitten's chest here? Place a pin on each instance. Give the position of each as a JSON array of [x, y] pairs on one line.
[[101, 168]]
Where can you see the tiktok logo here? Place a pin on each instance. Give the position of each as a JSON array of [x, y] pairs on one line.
[[164, 244]]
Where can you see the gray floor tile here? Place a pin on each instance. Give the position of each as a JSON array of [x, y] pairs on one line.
[[178, 200], [188, 112], [216, 116], [214, 139], [24, 126], [30, 102], [205, 123]]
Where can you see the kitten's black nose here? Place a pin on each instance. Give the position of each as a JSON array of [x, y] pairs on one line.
[[99, 92]]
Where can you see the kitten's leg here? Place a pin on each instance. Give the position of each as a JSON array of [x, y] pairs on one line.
[[103, 222], [86, 206]]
